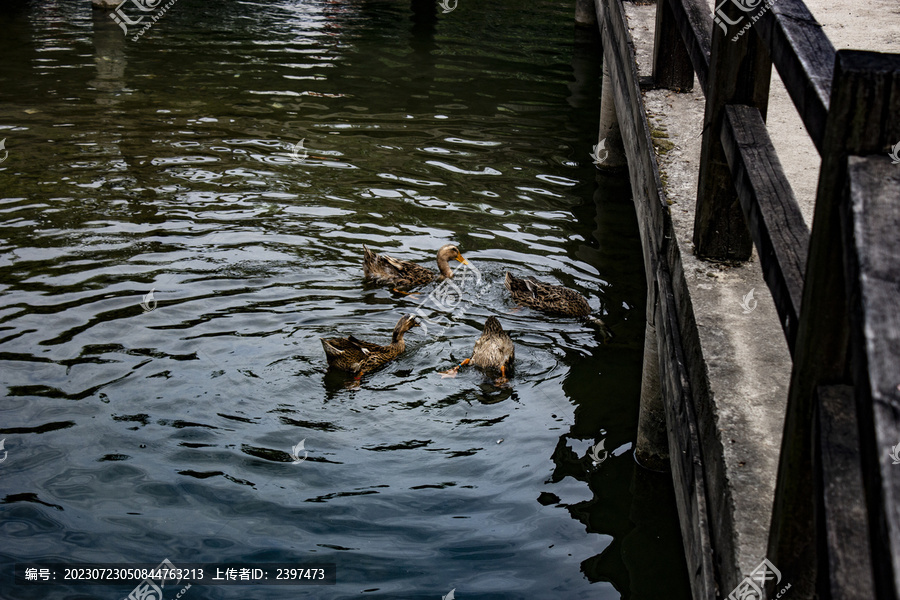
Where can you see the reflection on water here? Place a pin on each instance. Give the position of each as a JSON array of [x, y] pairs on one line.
[[168, 265]]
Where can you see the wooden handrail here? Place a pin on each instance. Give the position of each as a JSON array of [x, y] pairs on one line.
[[864, 87], [779, 231], [804, 58], [836, 288], [801, 52]]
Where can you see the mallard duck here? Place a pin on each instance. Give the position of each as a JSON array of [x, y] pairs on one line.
[[552, 299], [494, 351], [382, 268], [356, 356]]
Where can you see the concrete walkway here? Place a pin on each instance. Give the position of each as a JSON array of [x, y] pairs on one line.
[[742, 342]]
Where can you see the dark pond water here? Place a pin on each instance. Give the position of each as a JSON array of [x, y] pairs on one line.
[[167, 164]]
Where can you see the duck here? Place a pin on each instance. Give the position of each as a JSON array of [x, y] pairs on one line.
[[384, 269], [553, 299], [356, 356], [494, 351]]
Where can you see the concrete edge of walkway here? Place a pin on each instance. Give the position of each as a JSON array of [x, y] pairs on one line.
[[736, 354]]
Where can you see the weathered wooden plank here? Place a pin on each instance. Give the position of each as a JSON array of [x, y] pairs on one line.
[[771, 210], [672, 68], [655, 227], [684, 439], [871, 220], [842, 518], [861, 118], [804, 58], [694, 22], [739, 74]]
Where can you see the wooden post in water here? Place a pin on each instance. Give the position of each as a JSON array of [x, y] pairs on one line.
[[585, 14], [652, 447], [610, 153]]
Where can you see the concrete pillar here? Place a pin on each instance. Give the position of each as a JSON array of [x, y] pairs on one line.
[[652, 448], [585, 13], [586, 64], [609, 154], [109, 57]]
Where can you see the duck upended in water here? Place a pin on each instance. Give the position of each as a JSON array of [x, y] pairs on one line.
[[382, 268], [356, 356], [553, 300], [494, 351]]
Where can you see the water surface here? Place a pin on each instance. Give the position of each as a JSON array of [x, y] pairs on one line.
[[137, 433]]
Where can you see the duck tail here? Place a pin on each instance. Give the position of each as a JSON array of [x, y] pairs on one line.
[[492, 326], [369, 261], [508, 281], [330, 350]]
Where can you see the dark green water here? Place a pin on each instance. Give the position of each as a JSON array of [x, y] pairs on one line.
[[165, 164]]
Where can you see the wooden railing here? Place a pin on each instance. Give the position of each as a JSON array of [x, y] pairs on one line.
[[835, 530]]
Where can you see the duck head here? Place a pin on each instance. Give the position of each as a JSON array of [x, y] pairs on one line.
[[445, 255]]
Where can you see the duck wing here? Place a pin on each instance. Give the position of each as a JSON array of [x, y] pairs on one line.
[[387, 269], [553, 299], [365, 347]]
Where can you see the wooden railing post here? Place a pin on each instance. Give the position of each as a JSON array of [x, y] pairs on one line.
[[845, 560], [739, 73], [672, 67], [870, 221], [865, 95]]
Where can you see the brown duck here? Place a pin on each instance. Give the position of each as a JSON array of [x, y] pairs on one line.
[[382, 268], [494, 351], [553, 300], [356, 356]]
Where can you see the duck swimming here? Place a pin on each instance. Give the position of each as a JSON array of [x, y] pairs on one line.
[[552, 299], [494, 351], [382, 268], [356, 356]]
